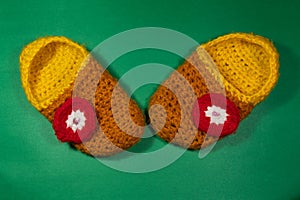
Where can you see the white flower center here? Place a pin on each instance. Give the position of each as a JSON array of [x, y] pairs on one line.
[[76, 120], [217, 115]]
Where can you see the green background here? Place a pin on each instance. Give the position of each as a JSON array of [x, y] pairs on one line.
[[261, 161]]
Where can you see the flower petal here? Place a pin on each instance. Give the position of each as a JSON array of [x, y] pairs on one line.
[[74, 121], [216, 115]]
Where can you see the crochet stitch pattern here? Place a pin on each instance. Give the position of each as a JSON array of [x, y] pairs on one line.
[[49, 67], [221, 116], [248, 70], [74, 121]]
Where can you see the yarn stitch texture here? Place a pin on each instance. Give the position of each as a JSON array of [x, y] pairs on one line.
[[248, 70], [226, 126], [62, 118], [248, 66], [49, 67]]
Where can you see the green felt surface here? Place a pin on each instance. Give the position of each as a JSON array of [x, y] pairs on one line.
[[261, 161]]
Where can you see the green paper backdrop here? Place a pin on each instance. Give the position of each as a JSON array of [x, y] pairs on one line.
[[261, 161]]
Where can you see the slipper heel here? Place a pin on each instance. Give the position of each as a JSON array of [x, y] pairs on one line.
[[51, 69], [229, 76]]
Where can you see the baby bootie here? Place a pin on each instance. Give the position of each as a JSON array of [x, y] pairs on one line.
[[219, 97], [61, 80]]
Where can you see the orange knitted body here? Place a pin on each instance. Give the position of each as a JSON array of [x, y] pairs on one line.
[[247, 70], [49, 68]]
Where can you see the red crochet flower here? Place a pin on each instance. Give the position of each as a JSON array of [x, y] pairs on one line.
[[74, 121], [216, 115]]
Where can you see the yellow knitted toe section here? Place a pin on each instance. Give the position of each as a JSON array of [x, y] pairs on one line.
[[248, 65], [49, 66]]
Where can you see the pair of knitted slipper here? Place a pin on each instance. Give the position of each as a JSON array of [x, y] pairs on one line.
[[59, 78]]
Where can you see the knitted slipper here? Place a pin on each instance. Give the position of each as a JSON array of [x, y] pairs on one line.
[[248, 71], [49, 67]]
